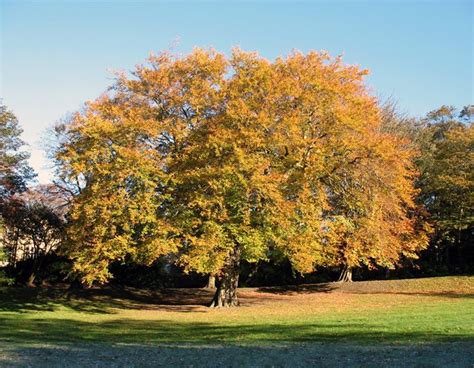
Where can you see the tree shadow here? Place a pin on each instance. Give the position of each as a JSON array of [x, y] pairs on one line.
[[102, 300], [446, 294], [132, 331], [354, 288], [108, 300], [300, 289]]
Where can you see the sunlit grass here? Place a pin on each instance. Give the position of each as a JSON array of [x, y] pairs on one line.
[[409, 311]]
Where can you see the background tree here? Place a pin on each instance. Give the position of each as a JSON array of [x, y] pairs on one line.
[[33, 227], [14, 168], [211, 282], [447, 181], [375, 208], [359, 175]]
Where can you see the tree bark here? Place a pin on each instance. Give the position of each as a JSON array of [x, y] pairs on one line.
[[226, 293], [346, 274], [211, 282]]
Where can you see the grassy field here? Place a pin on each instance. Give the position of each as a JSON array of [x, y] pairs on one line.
[[420, 323]]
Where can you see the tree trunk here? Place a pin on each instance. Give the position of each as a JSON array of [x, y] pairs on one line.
[[34, 270], [211, 282], [346, 274], [226, 293], [31, 280]]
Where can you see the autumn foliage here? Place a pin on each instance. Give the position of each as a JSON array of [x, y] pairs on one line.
[[215, 160]]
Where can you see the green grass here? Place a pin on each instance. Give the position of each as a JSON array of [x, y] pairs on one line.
[[401, 313]]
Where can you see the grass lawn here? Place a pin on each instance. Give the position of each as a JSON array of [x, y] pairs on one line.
[[420, 323]]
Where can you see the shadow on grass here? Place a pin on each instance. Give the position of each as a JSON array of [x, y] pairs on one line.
[[22, 300], [355, 288], [301, 289], [68, 331], [107, 300], [447, 294]]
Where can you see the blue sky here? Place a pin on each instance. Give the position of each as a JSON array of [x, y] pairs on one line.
[[57, 54]]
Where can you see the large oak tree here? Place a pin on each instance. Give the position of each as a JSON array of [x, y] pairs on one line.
[[219, 160]]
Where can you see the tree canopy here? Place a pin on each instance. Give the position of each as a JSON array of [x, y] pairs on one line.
[[447, 175], [14, 168], [217, 160]]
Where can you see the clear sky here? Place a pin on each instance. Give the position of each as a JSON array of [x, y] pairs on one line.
[[57, 54]]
